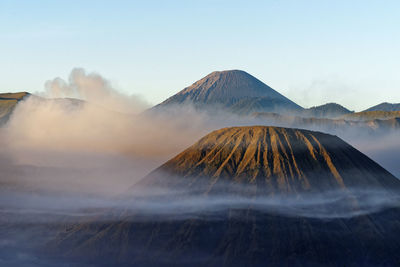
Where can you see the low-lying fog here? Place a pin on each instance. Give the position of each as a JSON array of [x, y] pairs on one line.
[[160, 203], [61, 161]]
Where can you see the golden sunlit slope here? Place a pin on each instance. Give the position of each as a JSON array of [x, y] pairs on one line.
[[276, 159]]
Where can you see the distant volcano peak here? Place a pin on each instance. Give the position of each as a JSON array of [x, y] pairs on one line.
[[234, 90], [228, 84], [228, 72]]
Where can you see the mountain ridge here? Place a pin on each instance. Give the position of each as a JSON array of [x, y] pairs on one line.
[[385, 106], [329, 110], [372, 115]]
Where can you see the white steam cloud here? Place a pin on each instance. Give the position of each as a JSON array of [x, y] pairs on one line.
[[95, 89], [99, 144]]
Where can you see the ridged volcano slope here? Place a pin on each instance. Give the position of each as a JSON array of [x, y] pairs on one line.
[[276, 159]]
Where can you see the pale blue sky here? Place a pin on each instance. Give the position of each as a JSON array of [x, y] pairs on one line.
[[311, 51]]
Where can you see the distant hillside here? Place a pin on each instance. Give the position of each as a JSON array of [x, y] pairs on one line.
[[372, 115], [8, 101], [336, 126], [14, 96], [235, 91], [385, 107], [329, 110]]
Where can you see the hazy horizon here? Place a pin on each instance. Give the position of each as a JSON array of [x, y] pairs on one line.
[[313, 53]]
